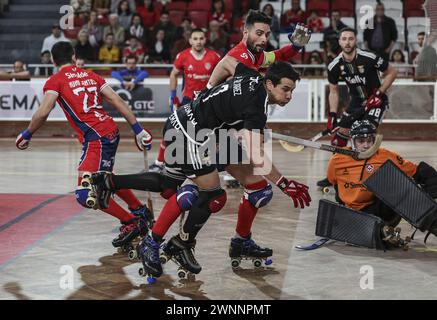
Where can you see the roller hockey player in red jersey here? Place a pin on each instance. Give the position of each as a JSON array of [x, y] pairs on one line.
[[197, 64], [79, 93], [247, 96]]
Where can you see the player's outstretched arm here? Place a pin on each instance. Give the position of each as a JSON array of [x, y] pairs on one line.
[[389, 77], [333, 107], [38, 119], [298, 192], [223, 70], [142, 136], [173, 100]]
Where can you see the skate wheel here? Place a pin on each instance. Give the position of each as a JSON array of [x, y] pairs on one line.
[[182, 274], [132, 255], [151, 280], [235, 263], [86, 175], [91, 202], [268, 262], [163, 258], [326, 190], [85, 183], [142, 272], [257, 263]]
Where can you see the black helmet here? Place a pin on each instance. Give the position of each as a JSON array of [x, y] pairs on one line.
[[362, 128]]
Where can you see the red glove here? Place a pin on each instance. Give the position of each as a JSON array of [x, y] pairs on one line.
[[332, 121], [374, 101], [296, 191]]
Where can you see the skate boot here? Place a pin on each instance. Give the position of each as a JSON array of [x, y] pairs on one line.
[[247, 249], [392, 237], [144, 213], [155, 167], [324, 185], [182, 253], [148, 250], [103, 187], [129, 231]]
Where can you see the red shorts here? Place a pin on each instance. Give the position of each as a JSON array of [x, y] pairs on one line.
[[99, 155]]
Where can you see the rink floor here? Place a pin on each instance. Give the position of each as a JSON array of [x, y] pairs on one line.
[[54, 249]]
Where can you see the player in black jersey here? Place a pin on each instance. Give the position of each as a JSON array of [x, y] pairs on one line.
[[360, 70], [241, 104]]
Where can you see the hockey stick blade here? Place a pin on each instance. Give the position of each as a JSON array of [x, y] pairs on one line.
[[326, 147], [316, 245], [297, 148]]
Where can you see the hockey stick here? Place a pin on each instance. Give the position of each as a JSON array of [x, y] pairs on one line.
[[326, 147], [316, 245], [146, 169], [297, 148]]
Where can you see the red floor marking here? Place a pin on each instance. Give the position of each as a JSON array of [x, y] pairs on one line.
[[24, 233]]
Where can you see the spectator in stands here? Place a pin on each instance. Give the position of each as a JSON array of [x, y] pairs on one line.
[[315, 23], [80, 6], [101, 7], [219, 14], [314, 59], [420, 42], [382, 37], [293, 16], [427, 60], [159, 51], [56, 36], [216, 39], [115, 28], [109, 52], [124, 14], [115, 4], [18, 73], [131, 76], [135, 48], [168, 27], [331, 35], [274, 27], [137, 29], [94, 29], [181, 44], [398, 58], [80, 63], [148, 14], [186, 24], [83, 47], [44, 71]]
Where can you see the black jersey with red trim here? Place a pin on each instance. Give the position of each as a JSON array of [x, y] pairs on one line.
[[361, 74]]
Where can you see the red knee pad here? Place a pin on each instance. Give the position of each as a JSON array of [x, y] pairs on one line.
[[218, 202], [167, 193]]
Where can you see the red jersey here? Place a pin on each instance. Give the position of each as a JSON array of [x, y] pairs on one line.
[[79, 95], [197, 71]]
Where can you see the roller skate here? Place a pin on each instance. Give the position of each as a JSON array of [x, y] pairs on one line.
[[103, 188], [231, 182], [145, 223], [325, 186], [156, 167], [148, 251], [91, 201], [392, 236], [129, 231], [182, 253], [247, 249]]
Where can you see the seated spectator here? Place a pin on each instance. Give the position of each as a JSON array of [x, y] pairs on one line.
[[94, 29], [56, 36], [398, 58], [427, 60], [216, 39], [420, 42], [101, 7], [315, 23], [159, 51], [44, 71], [181, 44], [168, 27], [293, 16], [81, 6], [274, 27], [331, 35], [219, 14], [137, 29], [382, 37], [131, 76], [80, 63], [115, 28], [124, 14], [186, 24], [148, 14], [109, 52], [314, 59], [83, 47], [115, 3], [18, 73], [135, 48]]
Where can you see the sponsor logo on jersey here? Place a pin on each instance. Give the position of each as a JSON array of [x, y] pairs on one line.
[[253, 81], [380, 62], [369, 168], [352, 185], [190, 67], [208, 66], [76, 75], [244, 55], [356, 80], [361, 69]]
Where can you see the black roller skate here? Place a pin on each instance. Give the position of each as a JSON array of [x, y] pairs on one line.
[[324, 185], [103, 187], [145, 223], [247, 249], [182, 253], [392, 237], [129, 231], [148, 250]]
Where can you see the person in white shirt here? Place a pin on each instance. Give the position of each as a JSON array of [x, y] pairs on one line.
[[56, 36]]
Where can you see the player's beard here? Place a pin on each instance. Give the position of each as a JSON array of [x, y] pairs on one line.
[[254, 49], [349, 49], [198, 49]]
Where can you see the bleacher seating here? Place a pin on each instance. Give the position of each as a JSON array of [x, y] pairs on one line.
[[345, 7]]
